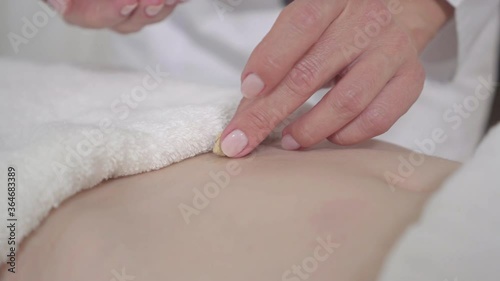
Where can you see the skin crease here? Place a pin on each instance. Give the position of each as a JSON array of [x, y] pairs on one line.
[[377, 82], [267, 218]]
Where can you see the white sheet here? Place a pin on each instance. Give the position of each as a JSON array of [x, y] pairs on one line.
[[458, 236]]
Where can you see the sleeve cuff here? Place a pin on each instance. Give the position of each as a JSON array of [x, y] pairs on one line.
[[471, 18]]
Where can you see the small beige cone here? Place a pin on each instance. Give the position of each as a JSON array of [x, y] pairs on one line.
[[217, 149]]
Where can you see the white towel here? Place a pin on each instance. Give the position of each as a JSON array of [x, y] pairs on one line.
[[65, 129]]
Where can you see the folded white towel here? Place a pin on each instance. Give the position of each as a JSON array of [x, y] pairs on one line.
[[65, 129]]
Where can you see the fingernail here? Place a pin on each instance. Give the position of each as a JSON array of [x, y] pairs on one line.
[[234, 143], [252, 86], [59, 5], [153, 10], [127, 10], [170, 2], [289, 143]]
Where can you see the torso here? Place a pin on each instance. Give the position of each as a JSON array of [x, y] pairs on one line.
[[271, 210]]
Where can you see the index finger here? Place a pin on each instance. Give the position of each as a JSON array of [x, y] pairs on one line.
[[256, 118], [297, 28]]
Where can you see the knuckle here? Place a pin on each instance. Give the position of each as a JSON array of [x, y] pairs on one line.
[[419, 77], [303, 77], [305, 133], [417, 74], [377, 11], [390, 57], [340, 139], [260, 121], [376, 122], [398, 50], [402, 41], [308, 18], [347, 103], [273, 63]]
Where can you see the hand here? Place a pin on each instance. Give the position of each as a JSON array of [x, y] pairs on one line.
[[369, 47], [124, 16]]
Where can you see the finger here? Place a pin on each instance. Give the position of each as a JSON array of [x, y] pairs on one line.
[[148, 12], [322, 62], [362, 82], [297, 28], [394, 101], [96, 13], [256, 118]]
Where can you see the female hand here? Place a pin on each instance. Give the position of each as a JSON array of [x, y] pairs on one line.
[[124, 16], [369, 47]]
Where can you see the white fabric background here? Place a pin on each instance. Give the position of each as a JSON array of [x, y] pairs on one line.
[[198, 45]]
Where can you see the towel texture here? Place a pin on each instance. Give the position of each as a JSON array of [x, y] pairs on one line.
[[66, 129]]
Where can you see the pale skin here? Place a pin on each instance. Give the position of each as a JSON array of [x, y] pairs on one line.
[[368, 49], [277, 213]]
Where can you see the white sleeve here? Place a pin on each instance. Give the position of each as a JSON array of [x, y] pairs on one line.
[[471, 17]]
